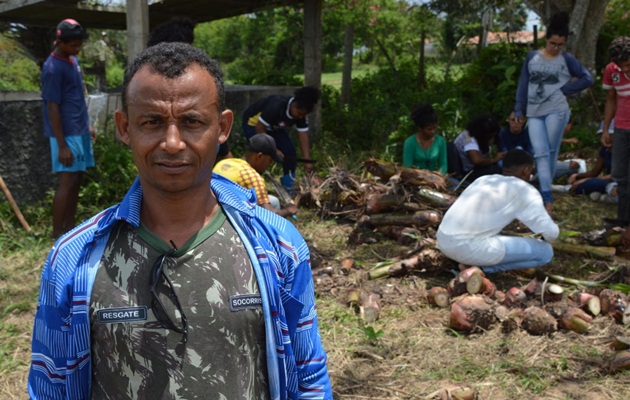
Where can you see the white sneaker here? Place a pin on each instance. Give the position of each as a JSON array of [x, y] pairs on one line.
[[560, 188], [606, 198], [595, 196]]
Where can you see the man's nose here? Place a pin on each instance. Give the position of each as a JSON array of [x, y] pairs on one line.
[[173, 141]]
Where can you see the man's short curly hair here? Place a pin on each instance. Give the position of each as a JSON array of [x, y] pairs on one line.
[[171, 60], [619, 49], [306, 97], [178, 29]]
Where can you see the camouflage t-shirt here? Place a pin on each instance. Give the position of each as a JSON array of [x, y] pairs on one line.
[[135, 357]]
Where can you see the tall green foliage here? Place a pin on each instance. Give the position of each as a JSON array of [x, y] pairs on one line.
[[17, 72], [264, 48], [376, 123], [107, 183], [490, 82]]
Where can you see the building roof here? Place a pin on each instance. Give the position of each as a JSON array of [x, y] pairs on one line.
[[523, 37], [50, 12]]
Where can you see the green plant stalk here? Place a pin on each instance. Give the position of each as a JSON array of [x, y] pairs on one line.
[[578, 282]]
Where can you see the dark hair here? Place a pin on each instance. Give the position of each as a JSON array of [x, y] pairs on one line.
[[306, 97], [171, 60], [483, 128], [619, 49], [178, 29], [423, 115], [517, 158], [558, 25]]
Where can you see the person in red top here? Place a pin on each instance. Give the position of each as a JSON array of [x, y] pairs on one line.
[[616, 81]]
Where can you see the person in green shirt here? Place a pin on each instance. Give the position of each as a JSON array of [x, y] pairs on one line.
[[425, 149]]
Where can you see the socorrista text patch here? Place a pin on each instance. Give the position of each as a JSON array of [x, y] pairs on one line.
[[121, 315], [245, 302]]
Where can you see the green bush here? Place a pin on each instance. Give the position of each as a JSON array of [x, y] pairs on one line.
[[17, 72], [108, 182], [114, 74], [376, 123], [489, 83]]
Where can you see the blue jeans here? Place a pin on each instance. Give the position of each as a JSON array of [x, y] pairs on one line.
[[621, 171], [521, 253], [545, 134], [592, 185]]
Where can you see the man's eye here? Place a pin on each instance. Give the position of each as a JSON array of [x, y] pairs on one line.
[[192, 121]]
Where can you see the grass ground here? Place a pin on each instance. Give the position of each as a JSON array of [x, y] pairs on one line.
[[409, 352]]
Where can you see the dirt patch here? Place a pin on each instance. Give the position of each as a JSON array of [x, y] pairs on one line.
[[409, 352]]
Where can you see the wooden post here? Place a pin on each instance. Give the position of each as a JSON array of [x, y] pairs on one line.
[[137, 27], [313, 58]]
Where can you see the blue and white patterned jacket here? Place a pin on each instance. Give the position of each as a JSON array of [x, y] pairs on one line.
[[296, 361]]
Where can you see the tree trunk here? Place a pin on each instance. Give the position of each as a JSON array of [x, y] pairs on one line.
[[421, 218], [576, 22], [421, 71], [584, 31], [313, 59], [346, 75], [388, 57]]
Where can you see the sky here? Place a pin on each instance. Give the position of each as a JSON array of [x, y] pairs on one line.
[[532, 19]]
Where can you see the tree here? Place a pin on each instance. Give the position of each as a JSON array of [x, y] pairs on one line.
[[582, 41]]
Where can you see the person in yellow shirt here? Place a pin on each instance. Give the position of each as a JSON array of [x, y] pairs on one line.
[[246, 171]]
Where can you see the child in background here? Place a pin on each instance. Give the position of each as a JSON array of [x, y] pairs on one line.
[[473, 146], [425, 149]]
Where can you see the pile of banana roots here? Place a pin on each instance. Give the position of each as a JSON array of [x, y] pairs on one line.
[[384, 196]]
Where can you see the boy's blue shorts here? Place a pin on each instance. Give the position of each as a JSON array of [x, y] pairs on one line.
[[81, 147]]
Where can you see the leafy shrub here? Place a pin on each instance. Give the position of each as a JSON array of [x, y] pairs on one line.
[[108, 182], [376, 123], [489, 83], [17, 72], [114, 74]]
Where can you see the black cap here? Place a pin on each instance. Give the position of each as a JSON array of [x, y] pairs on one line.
[[70, 29], [265, 144]]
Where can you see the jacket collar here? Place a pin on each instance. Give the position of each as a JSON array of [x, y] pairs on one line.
[[227, 192]]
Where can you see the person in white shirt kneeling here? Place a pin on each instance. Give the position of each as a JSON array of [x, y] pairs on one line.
[[469, 232]]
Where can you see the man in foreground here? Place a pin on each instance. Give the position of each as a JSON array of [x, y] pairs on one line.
[[246, 171], [66, 122], [186, 289], [469, 232]]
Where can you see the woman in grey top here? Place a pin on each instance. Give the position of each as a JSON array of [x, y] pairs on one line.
[[547, 77]]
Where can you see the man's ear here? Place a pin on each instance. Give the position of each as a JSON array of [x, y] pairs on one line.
[[122, 126], [528, 170], [225, 125]]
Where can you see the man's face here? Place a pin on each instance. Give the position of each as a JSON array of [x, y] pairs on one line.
[[70, 47], [624, 66], [297, 112], [261, 162], [516, 127], [173, 127]]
